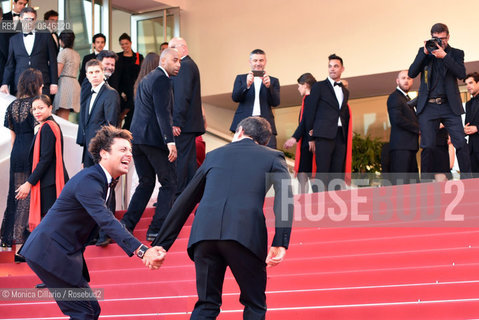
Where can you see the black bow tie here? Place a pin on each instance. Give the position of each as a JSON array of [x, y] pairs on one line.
[[28, 34], [93, 92], [16, 14], [408, 98], [338, 84], [113, 183]]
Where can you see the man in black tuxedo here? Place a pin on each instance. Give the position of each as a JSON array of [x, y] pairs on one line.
[[229, 229], [7, 32], [30, 49], [98, 43], [257, 92], [154, 149], [329, 101], [100, 106], [439, 99], [187, 114], [51, 19], [54, 250], [472, 120], [404, 139]]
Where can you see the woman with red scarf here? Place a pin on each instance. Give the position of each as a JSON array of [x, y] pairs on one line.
[[48, 169], [303, 166]]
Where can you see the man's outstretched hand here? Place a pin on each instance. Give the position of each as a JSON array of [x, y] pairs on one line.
[[275, 256], [154, 257]]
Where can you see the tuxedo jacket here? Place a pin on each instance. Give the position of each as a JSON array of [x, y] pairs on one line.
[[325, 111], [455, 69], [231, 185], [58, 243], [187, 112], [152, 121], [43, 58], [45, 171], [268, 98], [404, 124], [82, 75], [472, 117], [105, 111]]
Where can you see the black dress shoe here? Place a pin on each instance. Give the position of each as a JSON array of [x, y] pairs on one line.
[[41, 286], [150, 236], [103, 241], [19, 258]]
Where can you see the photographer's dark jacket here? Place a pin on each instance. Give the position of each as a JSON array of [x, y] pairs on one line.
[[454, 69]]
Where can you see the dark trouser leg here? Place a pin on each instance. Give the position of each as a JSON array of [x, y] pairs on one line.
[[166, 174], [429, 124], [272, 142], [330, 159], [455, 128], [186, 163], [250, 273], [210, 273], [475, 164], [75, 309], [403, 166], [147, 180]]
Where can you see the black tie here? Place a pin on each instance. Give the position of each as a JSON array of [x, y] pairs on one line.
[[113, 183], [408, 98], [16, 15], [111, 195], [338, 84], [28, 34]]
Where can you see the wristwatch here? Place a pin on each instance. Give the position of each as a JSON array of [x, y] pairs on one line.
[[141, 251]]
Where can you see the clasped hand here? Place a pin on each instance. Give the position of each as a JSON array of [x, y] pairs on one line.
[[154, 257]]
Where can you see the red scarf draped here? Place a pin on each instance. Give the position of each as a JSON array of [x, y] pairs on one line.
[[137, 62], [35, 199], [298, 145]]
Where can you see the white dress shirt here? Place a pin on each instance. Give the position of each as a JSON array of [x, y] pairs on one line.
[[257, 87], [108, 180], [94, 95], [28, 41]]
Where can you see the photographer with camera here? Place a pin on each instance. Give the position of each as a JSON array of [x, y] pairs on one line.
[[439, 99]]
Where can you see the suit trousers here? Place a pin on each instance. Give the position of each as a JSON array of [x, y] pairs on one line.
[[151, 163], [475, 164], [429, 120], [403, 166], [186, 162], [211, 258], [330, 158], [77, 310]]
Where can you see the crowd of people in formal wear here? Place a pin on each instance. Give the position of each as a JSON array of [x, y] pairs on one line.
[[158, 99]]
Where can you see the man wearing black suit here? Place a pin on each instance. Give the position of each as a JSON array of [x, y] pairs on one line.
[[7, 32], [439, 99], [187, 114], [54, 250], [51, 19], [30, 49], [404, 140], [257, 93], [99, 106], [472, 120], [329, 101], [154, 149], [98, 42], [229, 229]]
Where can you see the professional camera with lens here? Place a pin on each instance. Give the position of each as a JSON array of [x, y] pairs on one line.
[[432, 44]]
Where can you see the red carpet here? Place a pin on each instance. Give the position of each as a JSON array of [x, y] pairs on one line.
[[398, 267]]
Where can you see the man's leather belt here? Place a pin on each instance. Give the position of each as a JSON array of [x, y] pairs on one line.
[[437, 100]]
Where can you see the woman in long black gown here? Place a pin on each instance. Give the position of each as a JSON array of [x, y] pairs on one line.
[[20, 121]]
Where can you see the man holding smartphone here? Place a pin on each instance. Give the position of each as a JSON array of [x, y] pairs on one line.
[[257, 93]]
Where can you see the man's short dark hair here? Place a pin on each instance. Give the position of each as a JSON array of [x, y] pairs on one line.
[[106, 54], [473, 75], [98, 35], [124, 36], [335, 57], [163, 43], [257, 128], [257, 51], [17, 1], [28, 10], [68, 38], [104, 139], [438, 28], [93, 63], [307, 78], [49, 14]]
